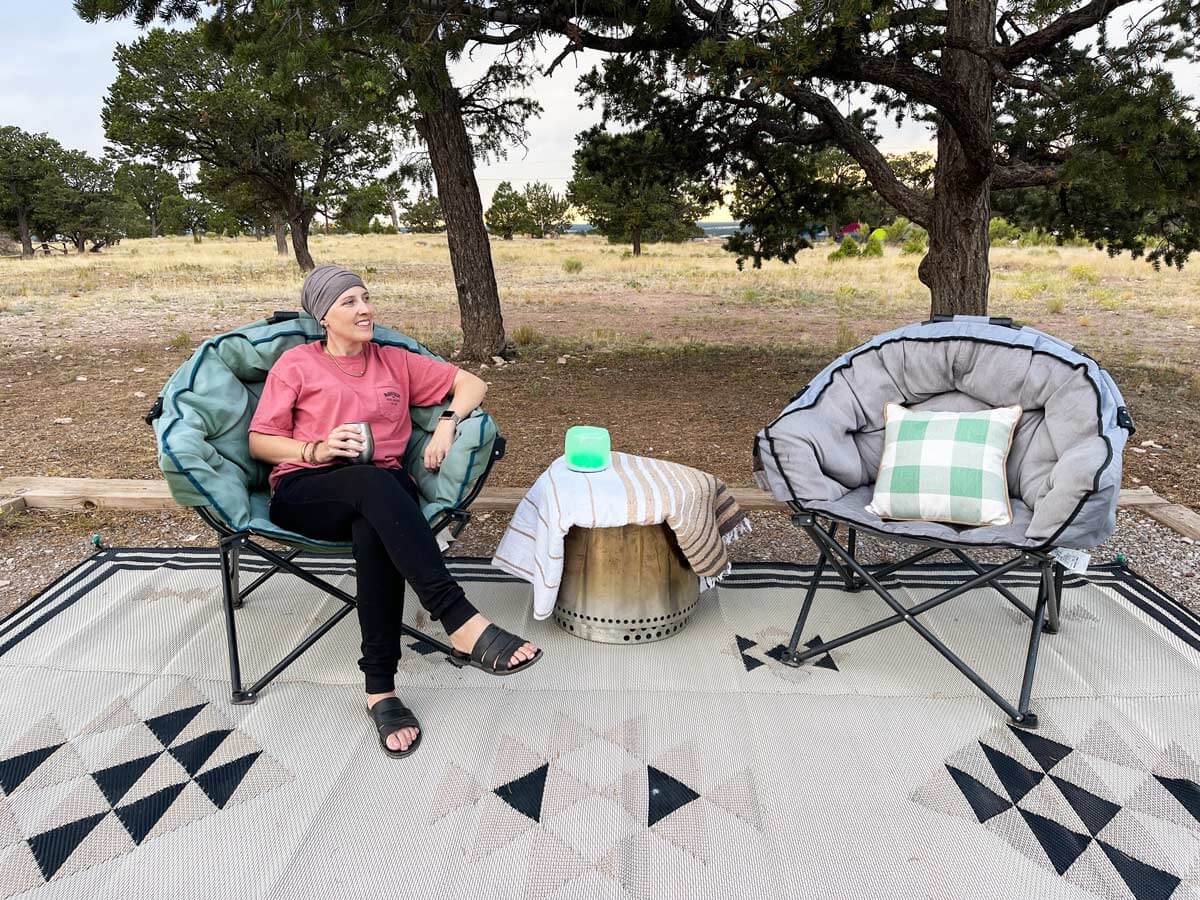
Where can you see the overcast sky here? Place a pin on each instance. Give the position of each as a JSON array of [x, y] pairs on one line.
[[55, 70]]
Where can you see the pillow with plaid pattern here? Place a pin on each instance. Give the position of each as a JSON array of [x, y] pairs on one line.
[[945, 466]]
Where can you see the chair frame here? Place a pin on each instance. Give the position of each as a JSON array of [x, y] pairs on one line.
[[1044, 616], [232, 543]]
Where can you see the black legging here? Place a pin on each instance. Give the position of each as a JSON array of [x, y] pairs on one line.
[[378, 510]]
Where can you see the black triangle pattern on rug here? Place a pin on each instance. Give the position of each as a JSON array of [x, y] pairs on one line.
[[1095, 812], [1186, 792], [220, 783], [115, 781], [17, 768], [667, 795], [53, 848], [423, 647], [1062, 844], [985, 802], [744, 644], [1017, 779], [1048, 753], [168, 726], [778, 653], [826, 661], [140, 817], [525, 794], [195, 753], [1144, 881]]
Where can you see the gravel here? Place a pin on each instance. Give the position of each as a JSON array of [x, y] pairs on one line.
[[36, 547]]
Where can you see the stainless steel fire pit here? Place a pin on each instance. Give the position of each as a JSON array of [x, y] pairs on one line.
[[625, 585]]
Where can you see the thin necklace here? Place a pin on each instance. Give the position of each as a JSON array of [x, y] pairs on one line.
[[366, 362]]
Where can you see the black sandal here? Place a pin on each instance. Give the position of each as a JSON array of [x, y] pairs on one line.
[[493, 645], [389, 716]]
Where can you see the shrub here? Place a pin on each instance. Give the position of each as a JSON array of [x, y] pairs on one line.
[[572, 266], [1002, 231], [1083, 273], [899, 231], [874, 247], [526, 336], [916, 243], [1037, 238], [848, 249]]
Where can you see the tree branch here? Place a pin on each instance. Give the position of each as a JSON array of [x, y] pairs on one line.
[[1059, 30], [909, 202], [1023, 175], [921, 85]]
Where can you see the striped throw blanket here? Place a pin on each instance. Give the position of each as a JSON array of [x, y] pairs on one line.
[[635, 490]]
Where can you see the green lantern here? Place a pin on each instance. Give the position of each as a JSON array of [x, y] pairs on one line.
[[588, 448]]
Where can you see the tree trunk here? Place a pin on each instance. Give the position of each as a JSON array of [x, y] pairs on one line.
[[300, 225], [153, 225], [23, 228], [197, 236], [80, 242], [394, 209], [440, 125], [956, 267], [280, 234], [637, 242]]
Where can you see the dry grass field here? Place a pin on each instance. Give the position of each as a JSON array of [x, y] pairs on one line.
[[677, 352], [174, 291]]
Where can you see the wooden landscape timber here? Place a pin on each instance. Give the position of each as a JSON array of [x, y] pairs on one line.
[[18, 493]]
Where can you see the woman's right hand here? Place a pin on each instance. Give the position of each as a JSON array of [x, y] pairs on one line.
[[344, 442]]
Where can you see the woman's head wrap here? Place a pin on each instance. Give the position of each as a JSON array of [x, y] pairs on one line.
[[323, 286]]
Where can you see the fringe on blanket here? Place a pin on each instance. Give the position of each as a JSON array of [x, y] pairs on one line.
[[743, 528]]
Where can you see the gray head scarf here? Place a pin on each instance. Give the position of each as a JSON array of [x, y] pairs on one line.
[[324, 285]]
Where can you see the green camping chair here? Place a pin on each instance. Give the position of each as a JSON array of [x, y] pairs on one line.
[[202, 420]]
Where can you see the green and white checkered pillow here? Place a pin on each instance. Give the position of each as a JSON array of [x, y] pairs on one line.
[[945, 466]]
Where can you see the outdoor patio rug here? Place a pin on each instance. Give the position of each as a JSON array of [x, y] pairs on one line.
[[697, 766]]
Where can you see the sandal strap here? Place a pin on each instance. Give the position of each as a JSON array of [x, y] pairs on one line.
[[505, 656], [391, 715], [489, 645], [495, 644]]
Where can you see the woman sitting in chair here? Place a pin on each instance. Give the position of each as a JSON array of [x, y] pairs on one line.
[[304, 427]]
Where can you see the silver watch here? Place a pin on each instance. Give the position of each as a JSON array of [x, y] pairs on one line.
[[452, 416]]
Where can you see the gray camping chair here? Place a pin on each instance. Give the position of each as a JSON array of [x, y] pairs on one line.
[[822, 453], [202, 420]]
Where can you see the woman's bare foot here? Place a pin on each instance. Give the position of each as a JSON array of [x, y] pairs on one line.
[[464, 638], [397, 740]]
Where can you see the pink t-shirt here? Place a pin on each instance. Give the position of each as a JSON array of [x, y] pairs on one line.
[[306, 396]]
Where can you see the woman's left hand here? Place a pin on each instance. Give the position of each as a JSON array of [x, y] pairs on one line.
[[439, 445]]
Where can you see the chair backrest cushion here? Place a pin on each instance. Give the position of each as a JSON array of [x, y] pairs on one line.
[[1065, 462], [207, 405]]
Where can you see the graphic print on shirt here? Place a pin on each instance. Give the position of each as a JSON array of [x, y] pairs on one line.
[[392, 403]]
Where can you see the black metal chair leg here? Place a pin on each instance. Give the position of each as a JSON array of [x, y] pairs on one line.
[[235, 574], [254, 585], [229, 590], [791, 659], [854, 584], [1054, 586], [1025, 718], [1020, 714]]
